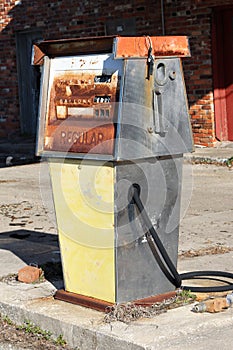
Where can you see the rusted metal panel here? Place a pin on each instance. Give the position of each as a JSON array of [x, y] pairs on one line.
[[81, 112], [165, 46], [74, 136], [125, 47], [38, 56], [74, 46]]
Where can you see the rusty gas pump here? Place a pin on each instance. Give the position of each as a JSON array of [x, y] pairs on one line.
[[113, 114]]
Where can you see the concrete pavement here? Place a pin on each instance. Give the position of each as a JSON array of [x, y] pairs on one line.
[[29, 236]]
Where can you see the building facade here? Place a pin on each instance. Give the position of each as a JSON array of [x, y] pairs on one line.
[[208, 72]]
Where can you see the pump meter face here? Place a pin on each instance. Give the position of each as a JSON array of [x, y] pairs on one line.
[[79, 104]]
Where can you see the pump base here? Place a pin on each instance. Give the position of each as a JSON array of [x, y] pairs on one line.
[[82, 300], [101, 305]]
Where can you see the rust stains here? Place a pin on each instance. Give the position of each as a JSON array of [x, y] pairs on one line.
[[81, 113], [82, 300], [162, 46], [125, 47], [73, 46]]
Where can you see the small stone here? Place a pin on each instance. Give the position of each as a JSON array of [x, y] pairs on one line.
[[9, 161], [29, 274]]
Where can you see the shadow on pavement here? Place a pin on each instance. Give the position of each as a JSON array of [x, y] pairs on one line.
[[38, 249]]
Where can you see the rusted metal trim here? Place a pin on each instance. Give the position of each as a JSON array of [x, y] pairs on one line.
[[124, 47], [155, 299], [74, 46], [101, 305], [38, 56], [162, 46], [82, 300]]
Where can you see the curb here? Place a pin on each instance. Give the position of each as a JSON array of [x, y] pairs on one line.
[[84, 329], [228, 161]]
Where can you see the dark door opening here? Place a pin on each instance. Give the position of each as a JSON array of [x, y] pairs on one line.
[[28, 81]]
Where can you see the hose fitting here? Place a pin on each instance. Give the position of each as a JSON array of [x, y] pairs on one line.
[[214, 305]]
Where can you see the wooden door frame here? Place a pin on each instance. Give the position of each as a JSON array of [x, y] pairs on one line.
[[221, 129]]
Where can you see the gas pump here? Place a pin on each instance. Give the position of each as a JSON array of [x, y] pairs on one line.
[[114, 119]]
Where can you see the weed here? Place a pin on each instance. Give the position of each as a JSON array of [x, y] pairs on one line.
[[186, 295], [33, 332], [60, 340], [7, 320], [41, 278], [12, 277], [29, 327], [130, 312]]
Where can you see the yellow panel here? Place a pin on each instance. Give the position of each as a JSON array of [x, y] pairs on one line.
[[84, 203]]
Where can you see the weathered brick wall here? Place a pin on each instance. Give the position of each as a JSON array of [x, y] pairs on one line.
[[194, 18], [9, 109], [59, 19], [68, 18]]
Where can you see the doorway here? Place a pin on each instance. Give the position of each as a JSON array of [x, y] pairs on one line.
[[28, 81], [223, 72]]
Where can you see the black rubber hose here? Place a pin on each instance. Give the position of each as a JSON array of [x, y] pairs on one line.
[[167, 265], [160, 261], [175, 276], [196, 274]]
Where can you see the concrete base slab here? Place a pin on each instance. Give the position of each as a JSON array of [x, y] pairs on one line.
[[85, 328]]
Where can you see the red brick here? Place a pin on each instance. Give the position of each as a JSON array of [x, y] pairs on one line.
[[29, 274]]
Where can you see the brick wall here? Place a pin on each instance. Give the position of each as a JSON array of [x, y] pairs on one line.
[[8, 83], [68, 18], [58, 19]]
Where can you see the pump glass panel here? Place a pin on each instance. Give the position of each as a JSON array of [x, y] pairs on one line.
[[81, 110]]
